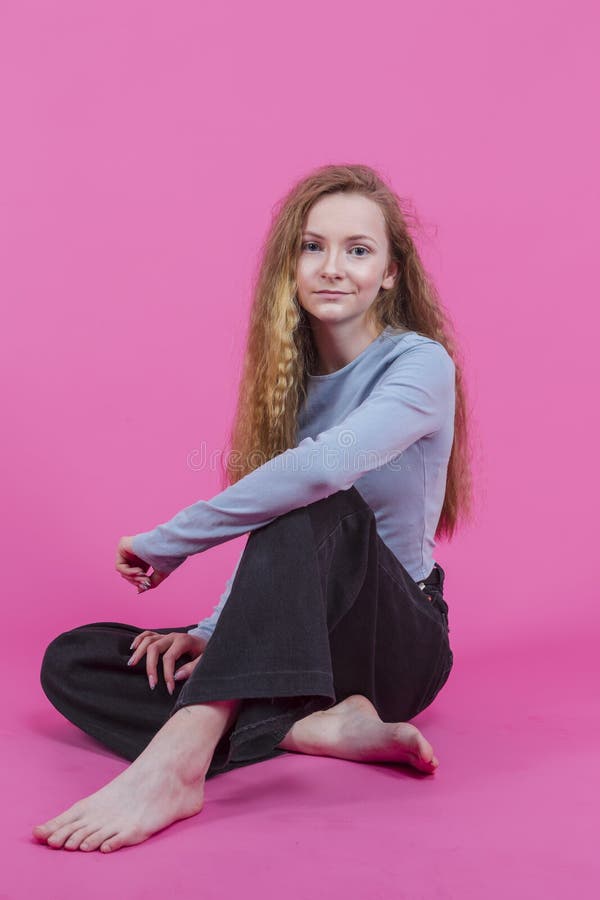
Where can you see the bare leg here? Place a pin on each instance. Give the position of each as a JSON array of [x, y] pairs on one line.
[[353, 730], [164, 784]]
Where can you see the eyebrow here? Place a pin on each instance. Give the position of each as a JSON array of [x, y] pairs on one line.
[[352, 237]]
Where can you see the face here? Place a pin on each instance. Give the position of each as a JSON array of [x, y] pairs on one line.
[[345, 249]]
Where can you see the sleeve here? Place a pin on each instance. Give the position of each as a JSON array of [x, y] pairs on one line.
[[205, 628], [409, 401]]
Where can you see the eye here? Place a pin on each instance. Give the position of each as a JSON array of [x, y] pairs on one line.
[[307, 244]]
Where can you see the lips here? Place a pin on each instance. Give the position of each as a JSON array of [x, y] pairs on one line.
[[331, 292]]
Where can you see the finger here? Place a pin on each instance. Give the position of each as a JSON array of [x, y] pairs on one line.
[[136, 580], [152, 654], [124, 569], [135, 642], [140, 637], [143, 585], [140, 578], [141, 649], [145, 582], [185, 671], [169, 659], [142, 582], [132, 578], [182, 673]]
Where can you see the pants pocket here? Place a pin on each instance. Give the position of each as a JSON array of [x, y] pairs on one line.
[[436, 598]]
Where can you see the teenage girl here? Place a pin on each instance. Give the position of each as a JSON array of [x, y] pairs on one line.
[[349, 458]]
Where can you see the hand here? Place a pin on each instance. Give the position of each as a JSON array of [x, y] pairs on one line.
[[172, 645], [133, 569]]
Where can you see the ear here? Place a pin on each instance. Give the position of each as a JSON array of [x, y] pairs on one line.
[[390, 276]]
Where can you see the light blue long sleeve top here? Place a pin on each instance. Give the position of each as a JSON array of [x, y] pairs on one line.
[[383, 423]]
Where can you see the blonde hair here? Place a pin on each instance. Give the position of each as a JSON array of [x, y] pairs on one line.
[[280, 349]]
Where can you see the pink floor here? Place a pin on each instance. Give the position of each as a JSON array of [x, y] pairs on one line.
[[511, 812]]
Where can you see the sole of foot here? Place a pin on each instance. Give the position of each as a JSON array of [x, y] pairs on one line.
[[353, 730]]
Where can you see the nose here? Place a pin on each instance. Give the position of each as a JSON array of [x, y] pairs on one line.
[[331, 264]]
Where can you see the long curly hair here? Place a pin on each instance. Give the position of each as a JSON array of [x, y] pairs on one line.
[[280, 349]]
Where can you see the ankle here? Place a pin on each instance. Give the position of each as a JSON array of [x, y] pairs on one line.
[[315, 734], [193, 733]]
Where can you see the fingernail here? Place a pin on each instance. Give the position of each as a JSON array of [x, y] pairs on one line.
[[170, 688], [131, 644], [130, 660], [178, 675], [152, 681]]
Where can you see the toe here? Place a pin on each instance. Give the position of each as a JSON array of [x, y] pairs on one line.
[[424, 751], [76, 838], [58, 837], [424, 759], [113, 843], [415, 748], [124, 838], [41, 832], [44, 831], [95, 838]]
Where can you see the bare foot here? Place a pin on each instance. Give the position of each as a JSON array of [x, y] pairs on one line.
[[353, 730], [164, 784]]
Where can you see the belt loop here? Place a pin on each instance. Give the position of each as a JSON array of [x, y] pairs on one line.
[[441, 575]]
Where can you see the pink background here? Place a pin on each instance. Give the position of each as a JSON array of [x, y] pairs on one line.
[[144, 147]]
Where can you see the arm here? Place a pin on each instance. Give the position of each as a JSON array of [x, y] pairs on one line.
[[410, 401]]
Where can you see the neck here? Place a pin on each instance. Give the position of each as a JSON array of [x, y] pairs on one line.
[[337, 345]]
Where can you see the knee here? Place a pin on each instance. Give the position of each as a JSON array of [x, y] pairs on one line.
[[326, 513], [341, 502], [56, 662]]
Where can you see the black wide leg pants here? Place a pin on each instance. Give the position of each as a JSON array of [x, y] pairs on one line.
[[320, 609]]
